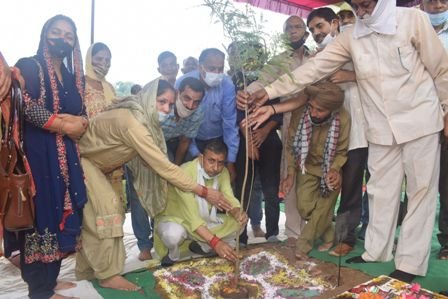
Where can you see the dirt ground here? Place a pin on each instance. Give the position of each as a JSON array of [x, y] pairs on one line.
[[349, 277], [328, 271]]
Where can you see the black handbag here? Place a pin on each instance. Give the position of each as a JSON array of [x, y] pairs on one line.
[[16, 196]]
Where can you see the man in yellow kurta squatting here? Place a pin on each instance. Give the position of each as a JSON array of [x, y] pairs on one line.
[[189, 216]]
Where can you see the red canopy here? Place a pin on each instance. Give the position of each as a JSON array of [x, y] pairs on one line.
[[303, 7], [290, 7]]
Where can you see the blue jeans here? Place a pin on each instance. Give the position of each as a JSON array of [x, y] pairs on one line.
[[141, 224]]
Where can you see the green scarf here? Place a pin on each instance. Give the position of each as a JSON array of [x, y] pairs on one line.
[[150, 187]]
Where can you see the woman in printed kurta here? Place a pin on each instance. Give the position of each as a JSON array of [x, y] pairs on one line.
[[54, 121]]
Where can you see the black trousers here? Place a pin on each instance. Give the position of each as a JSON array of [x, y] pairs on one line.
[[443, 195], [351, 193], [40, 277], [268, 168]]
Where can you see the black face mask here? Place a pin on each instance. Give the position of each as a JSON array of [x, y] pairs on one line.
[[296, 45], [60, 48]]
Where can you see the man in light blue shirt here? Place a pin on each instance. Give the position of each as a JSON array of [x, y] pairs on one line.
[[219, 106]]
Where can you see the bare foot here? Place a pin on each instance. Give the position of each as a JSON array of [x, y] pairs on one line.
[[145, 255], [58, 296], [118, 282], [301, 256], [63, 285], [291, 242], [325, 246]]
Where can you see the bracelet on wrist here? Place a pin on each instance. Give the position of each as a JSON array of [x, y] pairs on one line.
[[214, 241], [273, 108], [204, 191]]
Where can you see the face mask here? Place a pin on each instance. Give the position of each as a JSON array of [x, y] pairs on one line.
[[366, 20], [345, 27], [328, 39], [101, 70], [213, 79], [438, 19], [163, 116], [60, 48], [181, 110], [296, 45]]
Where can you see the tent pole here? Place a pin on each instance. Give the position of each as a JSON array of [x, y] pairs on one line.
[[92, 23]]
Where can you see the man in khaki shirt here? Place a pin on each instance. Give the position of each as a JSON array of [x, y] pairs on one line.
[[317, 143], [402, 73]]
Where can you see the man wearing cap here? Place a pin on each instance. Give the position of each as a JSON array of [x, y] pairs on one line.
[[402, 73], [317, 145]]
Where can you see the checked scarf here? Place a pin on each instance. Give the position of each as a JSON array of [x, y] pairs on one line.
[[301, 145]]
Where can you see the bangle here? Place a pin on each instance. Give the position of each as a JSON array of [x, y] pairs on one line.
[[204, 191], [214, 241], [61, 127], [272, 105]]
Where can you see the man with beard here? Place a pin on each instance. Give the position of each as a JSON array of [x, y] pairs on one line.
[[316, 150], [323, 24]]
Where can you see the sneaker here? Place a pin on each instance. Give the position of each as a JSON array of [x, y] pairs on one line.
[[341, 250]]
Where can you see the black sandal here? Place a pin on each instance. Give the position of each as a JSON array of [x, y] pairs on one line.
[[443, 253]]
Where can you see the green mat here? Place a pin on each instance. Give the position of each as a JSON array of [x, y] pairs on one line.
[[144, 278], [435, 280]]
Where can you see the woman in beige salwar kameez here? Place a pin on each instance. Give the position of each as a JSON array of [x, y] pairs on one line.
[[128, 132]]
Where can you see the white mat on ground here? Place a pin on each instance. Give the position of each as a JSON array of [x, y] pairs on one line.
[[13, 287]]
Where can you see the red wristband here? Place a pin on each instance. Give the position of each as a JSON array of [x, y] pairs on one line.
[[214, 241], [204, 192]]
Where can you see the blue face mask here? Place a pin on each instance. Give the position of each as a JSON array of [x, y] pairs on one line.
[[438, 19], [163, 116]]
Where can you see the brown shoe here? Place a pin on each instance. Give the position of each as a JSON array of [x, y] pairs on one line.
[[341, 249], [291, 242], [258, 232]]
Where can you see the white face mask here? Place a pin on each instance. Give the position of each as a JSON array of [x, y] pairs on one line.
[[345, 27], [366, 19], [163, 116], [181, 110], [203, 173], [328, 39], [213, 79]]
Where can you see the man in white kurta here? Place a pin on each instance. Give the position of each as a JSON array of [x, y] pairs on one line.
[[402, 73]]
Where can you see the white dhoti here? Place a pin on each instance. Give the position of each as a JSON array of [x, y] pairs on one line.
[[419, 161]]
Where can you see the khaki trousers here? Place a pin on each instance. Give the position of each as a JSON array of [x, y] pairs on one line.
[[419, 160], [316, 210]]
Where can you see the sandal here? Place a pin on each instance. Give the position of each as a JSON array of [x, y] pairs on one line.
[[443, 253]]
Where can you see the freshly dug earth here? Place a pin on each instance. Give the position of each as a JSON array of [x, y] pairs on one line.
[[316, 269]]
